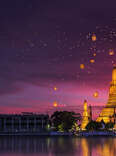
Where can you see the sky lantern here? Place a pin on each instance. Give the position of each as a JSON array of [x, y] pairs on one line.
[[55, 104], [55, 88], [111, 52], [94, 38], [94, 54], [96, 94], [82, 66], [92, 61]]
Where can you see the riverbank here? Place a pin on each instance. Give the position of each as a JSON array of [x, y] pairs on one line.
[[36, 134], [96, 133], [79, 134]]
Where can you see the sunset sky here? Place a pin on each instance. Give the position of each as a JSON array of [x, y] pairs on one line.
[[43, 43]]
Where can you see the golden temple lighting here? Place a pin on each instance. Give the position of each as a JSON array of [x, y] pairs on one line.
[[108, 112], [85, 119], [114, 75]]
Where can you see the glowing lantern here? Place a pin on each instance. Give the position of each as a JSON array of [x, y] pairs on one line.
[[96, 94], [82, 66], [92, 61], [55, 88], [94, 54], [55, 104], [111, 52], [93, 37]]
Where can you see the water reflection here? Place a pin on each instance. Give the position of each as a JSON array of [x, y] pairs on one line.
[[57, 146], [85, 148], [108, 148], [98, 146]]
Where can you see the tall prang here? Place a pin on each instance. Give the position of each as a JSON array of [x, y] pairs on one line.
[[85, 119], [108, 112]]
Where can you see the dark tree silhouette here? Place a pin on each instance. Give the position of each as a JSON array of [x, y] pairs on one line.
[[93, 125], [109, 125], [64, 120]]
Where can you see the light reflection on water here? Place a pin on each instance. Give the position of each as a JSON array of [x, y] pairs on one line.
[[57, 146]]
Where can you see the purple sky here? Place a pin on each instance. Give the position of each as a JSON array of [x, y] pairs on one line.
[[43, 43]]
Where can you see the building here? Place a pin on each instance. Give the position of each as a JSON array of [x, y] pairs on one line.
[[24, 122], [108, 113], [86, 116]]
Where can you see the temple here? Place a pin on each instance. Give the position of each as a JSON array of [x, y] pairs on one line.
[[108, 113], [85, 119]]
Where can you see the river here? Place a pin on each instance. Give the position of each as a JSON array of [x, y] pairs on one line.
[[57, 146]]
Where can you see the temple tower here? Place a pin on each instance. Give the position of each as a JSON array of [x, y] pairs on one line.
[[85, 119], [108, 112]]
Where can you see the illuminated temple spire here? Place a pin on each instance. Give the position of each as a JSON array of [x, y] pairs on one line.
[[114, 74], [85, 118], [108, 112], [112, 91]]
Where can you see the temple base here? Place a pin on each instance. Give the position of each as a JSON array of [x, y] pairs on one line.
[[106, 115]]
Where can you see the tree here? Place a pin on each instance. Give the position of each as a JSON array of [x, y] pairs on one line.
[[75, 128], [64, 120], [93, 125], [109, 125]]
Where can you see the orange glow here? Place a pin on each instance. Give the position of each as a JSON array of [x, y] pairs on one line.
[[85, 148], [94, 38], [114, 76], [108, 111], [111, 52], [94, 54], [107, 149], [96, 94], [85, 118], [55, 88], [85, 105], [55, 104], [92, 61], [82, 66]]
